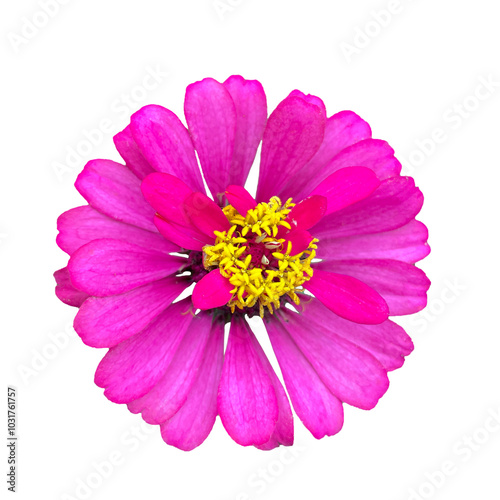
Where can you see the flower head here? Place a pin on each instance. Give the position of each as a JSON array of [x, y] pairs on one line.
[[324, 254]]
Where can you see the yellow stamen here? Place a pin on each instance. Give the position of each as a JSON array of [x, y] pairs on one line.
[[257, 263]]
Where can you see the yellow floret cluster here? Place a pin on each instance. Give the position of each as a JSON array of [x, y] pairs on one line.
[[276, 274]]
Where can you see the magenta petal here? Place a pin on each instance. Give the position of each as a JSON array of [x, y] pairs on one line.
[[184, 236], [347, 186], [283, 432], [342, 130], [247, 401], [319, 410], [108, 267], [387, 342], [299, 239], [166, 194], [292, 136], [81, 225], [374, 154], [170, 393], [213, 290], [166, 145], [251, 117], [240, 199], [407, 243], [133, 367], [403, 286], [66, 292], [115, 191], [211, 117], [205, 214], [191, 425], [371, 153], [348, 297], [349, 372], [393, 204], [130, 152], [106, 321], [308, 212], [311, 99]]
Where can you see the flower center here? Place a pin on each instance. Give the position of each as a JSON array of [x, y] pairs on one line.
[[258, 259]]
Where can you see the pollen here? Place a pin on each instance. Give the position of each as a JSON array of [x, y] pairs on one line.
[[259, 264]]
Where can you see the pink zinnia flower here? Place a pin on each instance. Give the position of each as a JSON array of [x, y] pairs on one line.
[[332, 217]]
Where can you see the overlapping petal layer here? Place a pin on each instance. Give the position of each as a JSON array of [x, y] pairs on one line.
[[250, 402], [140, 242]]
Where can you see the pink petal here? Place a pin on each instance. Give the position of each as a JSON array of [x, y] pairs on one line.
[[283, 432], [81, 225], [130, 152], [349, 372], [407, 243], [342, 130], [213, 290], [403, 286], [115, 191], [211, 117], [184, 236], [247, 402], [166, 194], [347, 186], [170, 393], [371, 153], [300, 240], [133, 367], [387, 342], [374, 154], [311, 99], [108, 267], [191, 425], [393, 204], [292, 136], [307, 213], [106, 321], [348, 297], [251, 117], [66, 292], [240, 199], [166, 145], [205, 215], [319, 410]]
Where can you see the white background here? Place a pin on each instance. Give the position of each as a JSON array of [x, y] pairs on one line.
[[412, 76]]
